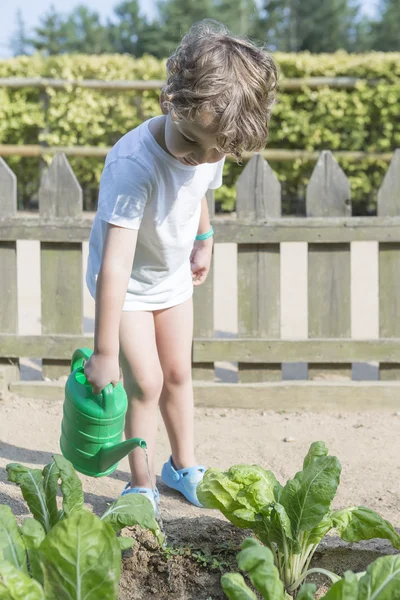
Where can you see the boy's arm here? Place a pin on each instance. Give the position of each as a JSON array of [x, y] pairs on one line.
[[204, 224], [112, 282], [200, 258]]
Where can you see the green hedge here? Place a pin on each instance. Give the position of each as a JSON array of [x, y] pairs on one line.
[[366, 118]]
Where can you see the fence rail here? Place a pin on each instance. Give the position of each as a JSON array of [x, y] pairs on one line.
[[295, 83], [279, 154], [259, 350]]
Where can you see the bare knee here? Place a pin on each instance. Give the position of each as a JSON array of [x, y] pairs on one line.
[[176, 374], [146, 387]]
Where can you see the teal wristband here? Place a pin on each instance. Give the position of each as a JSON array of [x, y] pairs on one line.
[[205, 236]]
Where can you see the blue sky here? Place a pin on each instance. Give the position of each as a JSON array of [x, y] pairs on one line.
[[33, 9]]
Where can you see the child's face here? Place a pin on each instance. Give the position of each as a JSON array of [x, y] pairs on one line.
[[192, 143]]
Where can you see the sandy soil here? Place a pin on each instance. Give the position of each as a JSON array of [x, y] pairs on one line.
[[367, 444]]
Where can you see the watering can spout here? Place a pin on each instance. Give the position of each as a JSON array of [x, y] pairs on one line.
[[110, 454]]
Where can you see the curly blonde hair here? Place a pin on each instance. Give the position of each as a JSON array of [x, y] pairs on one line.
[[215, 72]]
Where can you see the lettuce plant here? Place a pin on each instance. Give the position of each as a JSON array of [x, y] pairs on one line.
[[291, 520], [381, 581], [67, 553]]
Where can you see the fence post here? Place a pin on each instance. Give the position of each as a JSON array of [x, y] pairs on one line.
[[60, 196], [258, 197], [203, 300], [389, 265], [9, 367], [328, 195]]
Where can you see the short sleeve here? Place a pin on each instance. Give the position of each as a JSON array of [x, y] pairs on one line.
[[125, 187], [217, 181]]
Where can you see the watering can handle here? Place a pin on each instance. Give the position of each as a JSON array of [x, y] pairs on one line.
[[79, 357]]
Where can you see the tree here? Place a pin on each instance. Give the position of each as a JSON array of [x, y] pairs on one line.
[[176, 18], [297, 25], [240, 17], [386, 32], [127, 33], [19, 42], [84, 32], [51, 34]]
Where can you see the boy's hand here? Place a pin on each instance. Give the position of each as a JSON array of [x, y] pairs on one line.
[[200, 260], [100, 370]]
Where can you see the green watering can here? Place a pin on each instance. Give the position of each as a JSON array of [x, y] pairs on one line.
[[93, 425]]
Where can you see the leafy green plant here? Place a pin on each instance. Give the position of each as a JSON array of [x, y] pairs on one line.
[[68, 552], [381, 581], [291, 520]]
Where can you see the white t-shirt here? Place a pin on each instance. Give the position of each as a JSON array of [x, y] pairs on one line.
[[143, 187]]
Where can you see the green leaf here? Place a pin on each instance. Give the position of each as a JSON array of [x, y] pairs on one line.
[[345, 589], [258, 562], [278, 527], [317, 449], [308, 496], [306, 592], [81, 559], [359, 523], [125, 542], [16, 585], [382, 580], [33, 535], [130, 510], [236, 588], [258, 486], [31, 484], [51, 475], [319, 531], [12, 546], [71, 486], [239, 493]]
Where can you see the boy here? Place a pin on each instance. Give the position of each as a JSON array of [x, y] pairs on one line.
[[151, 240]]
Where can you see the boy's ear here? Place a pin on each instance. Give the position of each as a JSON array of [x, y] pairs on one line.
[[162, 104]]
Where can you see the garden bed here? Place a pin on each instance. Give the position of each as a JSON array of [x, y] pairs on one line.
[[206, 547], [204, 544]]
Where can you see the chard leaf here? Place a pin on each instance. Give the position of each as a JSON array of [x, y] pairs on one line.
[[306, 592], [258, 562], [130, 510], [317, 449], [319, 531], [217, 490], [12, 547], [236, 588], [345, 589], [33, 535], [16, 585], [31, 483], [81, 559], [239, 493], [382, 580], [278, 527], [359, 523], [51, 475], [308, 496], [258, 486], [125, 542], [71, 486]]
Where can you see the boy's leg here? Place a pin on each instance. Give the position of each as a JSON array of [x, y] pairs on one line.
[[143, 380], [174, 334]]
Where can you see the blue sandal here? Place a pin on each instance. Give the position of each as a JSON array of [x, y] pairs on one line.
[[184, 481], [154, 497]]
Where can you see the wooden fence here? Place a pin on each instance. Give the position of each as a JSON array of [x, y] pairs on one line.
[[329, 229]]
